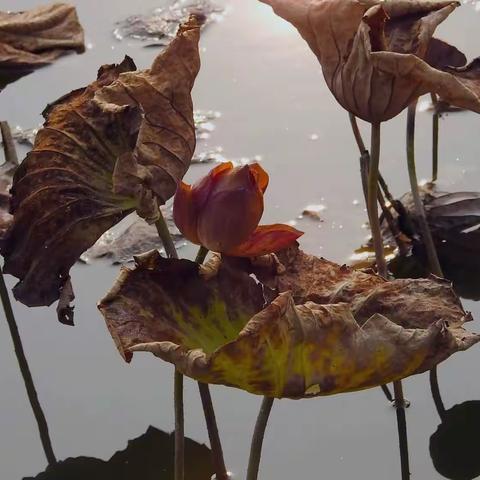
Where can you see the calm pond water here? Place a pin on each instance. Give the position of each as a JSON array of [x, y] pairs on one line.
[[261, 76]]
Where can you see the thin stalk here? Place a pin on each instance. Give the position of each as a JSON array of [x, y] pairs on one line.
[[364, 172], [402, 430], [213, 434], [179, 427], [26, 374], [207, 403], [166, 238], [258, 437], [427, 238], [372, 206], [201, 255], [435, 135]]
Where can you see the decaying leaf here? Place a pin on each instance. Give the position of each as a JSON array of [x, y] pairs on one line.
[[360, 332], [37, 37], [379, 56], [116, 146], [454, 220]]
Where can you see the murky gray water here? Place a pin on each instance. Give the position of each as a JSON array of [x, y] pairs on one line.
[[268, 86]]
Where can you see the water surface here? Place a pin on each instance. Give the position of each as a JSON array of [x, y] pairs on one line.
[[261, 76]]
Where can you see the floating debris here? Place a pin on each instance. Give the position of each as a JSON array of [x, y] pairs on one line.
[[162, 24], [313, 211], [204, 124], [139, 237]]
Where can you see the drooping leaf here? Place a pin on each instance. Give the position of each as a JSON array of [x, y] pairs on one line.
[[210, 323], [379, 56], [116, 146], [37, 37]]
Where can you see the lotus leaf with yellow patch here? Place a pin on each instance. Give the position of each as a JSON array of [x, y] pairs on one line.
[[215, 324]]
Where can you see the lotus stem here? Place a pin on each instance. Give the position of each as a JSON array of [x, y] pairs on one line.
[[171, 252], [427, 238], [207, 403], [258, 437], [402, 430], [201, 255], [26, 374], [165, 237], [179, 427], [435, 133], [364, 172], [372, 206]]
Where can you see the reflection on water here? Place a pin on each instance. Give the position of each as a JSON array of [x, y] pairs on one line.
[[454, 447], [148, 457]]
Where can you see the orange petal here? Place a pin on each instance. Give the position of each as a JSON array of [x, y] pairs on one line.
[[266, 239], [184, 212], [261, 176]]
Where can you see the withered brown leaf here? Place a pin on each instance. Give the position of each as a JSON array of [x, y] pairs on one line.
[[36, 37], [210, 323], [379, 56], [116, 146]]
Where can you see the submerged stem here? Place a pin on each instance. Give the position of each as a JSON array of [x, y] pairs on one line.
[[372, 205], [435, 136], [257, 439], [402, 429], [26, 374], [427, 238]]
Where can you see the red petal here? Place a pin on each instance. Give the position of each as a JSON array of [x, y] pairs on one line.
[[266, 239], [184, 212]]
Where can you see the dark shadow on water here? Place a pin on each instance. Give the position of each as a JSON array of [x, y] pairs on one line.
[[148, 457], [455, 446]]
